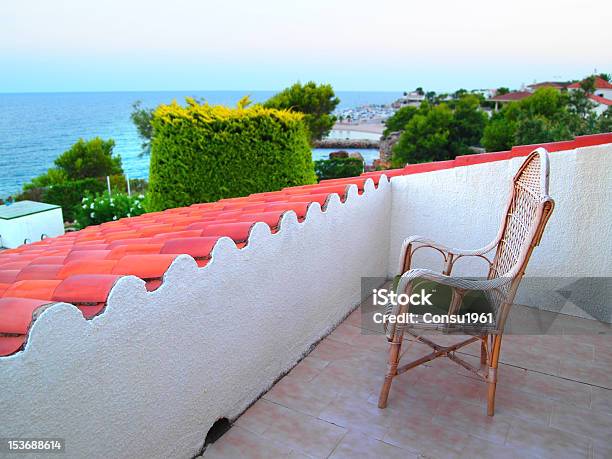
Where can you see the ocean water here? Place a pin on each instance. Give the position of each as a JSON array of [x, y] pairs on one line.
[[35, 128]]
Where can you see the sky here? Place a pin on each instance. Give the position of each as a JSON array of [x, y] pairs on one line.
[[122, 45]]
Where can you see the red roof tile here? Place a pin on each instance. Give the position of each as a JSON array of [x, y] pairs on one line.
[[600, 100], [600, 83], [511, 96]]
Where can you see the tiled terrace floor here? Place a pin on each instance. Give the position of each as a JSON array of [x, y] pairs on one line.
[[554, 399]]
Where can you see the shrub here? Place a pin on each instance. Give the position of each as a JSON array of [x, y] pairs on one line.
[[93, 210], [338, 168], [203, 153], [69, 194], [53, 176]]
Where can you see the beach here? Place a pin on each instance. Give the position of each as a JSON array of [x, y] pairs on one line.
[[372, 127]]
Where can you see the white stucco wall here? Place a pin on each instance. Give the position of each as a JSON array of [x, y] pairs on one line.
[[463, 207], [149, 376], [607, 93]]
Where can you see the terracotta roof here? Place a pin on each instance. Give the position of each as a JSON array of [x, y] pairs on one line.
[[549, 84], [511, 96], [82, 267], [600, 83], [600, 100]]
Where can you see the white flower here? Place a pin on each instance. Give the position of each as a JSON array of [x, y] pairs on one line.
[[114, 217], [141, 196], [84, 206], [129, 214], [111, 200], [91, 206], [112, 205], [92, 215], [84, 199]]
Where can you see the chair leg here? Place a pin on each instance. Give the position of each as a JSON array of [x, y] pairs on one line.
[[394, 356], [492, 375], [483, 351]]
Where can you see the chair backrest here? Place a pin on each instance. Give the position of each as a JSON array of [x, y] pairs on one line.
[[528, 210]]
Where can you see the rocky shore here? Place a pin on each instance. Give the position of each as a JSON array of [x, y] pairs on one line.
[[362, 144]]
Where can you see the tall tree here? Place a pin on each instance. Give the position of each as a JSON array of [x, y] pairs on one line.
[[141, 117], [398, 121], [468, 124], [425, 138], [316, 102], [91, 158]]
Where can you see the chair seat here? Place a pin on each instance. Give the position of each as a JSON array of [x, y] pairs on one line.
[[473, 302]]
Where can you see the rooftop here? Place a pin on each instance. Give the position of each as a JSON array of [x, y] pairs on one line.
[[600, 100], [23, 208], [600, 83], [511, 96]]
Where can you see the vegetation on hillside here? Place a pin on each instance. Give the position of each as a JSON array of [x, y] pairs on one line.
[[448, 125], [437, 132], [546, 116]]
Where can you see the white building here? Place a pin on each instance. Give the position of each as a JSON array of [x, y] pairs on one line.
[[602, 88]]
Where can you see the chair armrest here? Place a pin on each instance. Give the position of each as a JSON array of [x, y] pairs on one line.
[[450, 254], [454, 282]]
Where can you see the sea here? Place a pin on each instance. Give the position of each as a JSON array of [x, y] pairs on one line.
[[35, 128]]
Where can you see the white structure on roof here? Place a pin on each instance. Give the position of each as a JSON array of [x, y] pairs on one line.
[[27, 221]]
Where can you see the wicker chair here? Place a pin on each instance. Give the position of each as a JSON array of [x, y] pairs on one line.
[[528, 210]]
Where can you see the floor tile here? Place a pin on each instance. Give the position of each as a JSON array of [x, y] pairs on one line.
[[303, 433], [240, 443], [546, 442], [586, 422], [357, 446]]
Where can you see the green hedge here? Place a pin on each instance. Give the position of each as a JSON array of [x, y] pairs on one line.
[[202, 153], [69, 194], [338, 168]]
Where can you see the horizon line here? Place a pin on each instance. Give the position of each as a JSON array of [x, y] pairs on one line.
[[180, 90]]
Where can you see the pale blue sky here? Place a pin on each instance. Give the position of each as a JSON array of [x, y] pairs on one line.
[[82, 45]]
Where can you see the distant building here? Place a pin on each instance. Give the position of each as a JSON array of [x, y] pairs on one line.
[[601, 103], [559, 85], [413, 99], [602, 97], [509, 97], [602, 88]]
